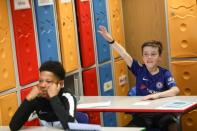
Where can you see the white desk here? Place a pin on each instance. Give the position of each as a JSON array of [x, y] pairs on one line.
[[44, 128], [135, 104]]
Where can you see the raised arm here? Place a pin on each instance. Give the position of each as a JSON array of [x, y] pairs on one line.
[[128, 59]]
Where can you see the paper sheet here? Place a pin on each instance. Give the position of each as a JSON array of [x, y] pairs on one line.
[[95, 104], [85, 127]]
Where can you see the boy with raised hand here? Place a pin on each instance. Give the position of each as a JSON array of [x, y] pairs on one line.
[[53, 103], [152, 82]]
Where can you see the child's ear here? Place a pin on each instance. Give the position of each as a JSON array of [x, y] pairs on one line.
[[61, 83]]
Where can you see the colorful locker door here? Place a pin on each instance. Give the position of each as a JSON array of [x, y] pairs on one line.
[[106, 84], [116, 23], [34, 122], [67, 32], [8, 106], [100, 18], [25, 43], [185, 76], [91, 89], [46, 28], [189, 120], [109, 119], [182, 23], [7, 78], [122, 88], [85, 33]]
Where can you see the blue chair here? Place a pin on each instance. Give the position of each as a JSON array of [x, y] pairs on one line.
[[82, 117], [132, 91]]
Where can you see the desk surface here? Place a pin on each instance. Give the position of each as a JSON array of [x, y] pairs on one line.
[[135, 104], [44, 128]]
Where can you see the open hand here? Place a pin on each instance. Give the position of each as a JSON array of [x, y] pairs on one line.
[[103, 31]]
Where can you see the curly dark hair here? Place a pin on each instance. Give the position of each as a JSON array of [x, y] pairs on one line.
[[153, 43], [55, 67]]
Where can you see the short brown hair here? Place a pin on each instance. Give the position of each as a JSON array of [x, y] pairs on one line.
[[153, 43]]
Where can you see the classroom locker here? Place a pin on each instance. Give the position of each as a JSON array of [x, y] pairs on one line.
[[185, 75], [94, 117], [7, 77], [122, 88], [46, 28], [90, 82], [185, 28], [109, 119], [24, 42], [8, 106], [91, 89], [67, 33], [181, 3], [100, 18], [182, 11], [106, 83], [33, 122], [121, 78], [116, 23], [85, 33], [189, 120]]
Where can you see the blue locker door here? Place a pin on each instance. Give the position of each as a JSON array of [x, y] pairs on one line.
[[109, 119], [100, 18], [46, 32], [106, 84]]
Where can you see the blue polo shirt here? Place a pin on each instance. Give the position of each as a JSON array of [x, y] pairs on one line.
[[147, 83]]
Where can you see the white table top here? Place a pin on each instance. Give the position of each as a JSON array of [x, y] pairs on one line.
[[134, 104], [44, 128]]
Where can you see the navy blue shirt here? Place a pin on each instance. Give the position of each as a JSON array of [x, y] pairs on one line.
[[147, 83]]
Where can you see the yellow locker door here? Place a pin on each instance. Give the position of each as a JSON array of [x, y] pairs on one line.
[[122, 87], [185, 75], [116, 23], [181, 3], [183, 38], [67, 34], [121, 78], [7, 77], [8, 106], [189, 121]]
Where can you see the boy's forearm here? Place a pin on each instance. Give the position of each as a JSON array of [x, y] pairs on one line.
[[172, 92], [128, 59]]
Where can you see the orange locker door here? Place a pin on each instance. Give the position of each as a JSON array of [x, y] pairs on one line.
[[186, 29], [116, 23], [181, 3], [183, 28], [8, 106], [185, 75], [67, 32], [121, 78], [122, 87], [7, 78], [189, 121]]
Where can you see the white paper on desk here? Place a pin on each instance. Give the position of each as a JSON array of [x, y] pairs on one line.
[[85, 127], [175, 105], [95, 104], [141, 103]]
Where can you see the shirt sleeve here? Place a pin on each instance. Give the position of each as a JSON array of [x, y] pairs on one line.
[[22, 114], [64, 109], [135, 67], [169, 80]]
